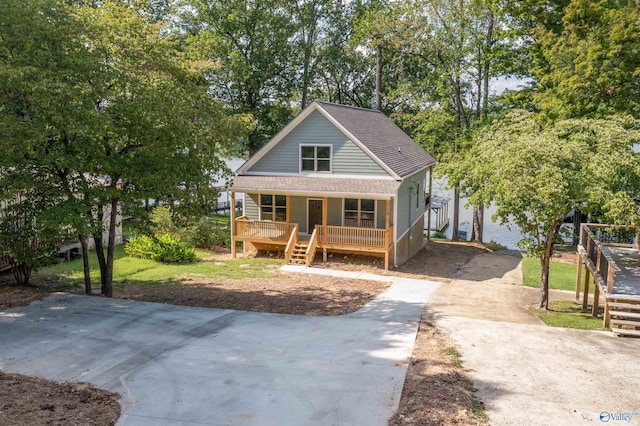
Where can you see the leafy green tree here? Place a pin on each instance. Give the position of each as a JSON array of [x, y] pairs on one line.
[[536, 175], [107, 111], [250, 45], [592, 62]]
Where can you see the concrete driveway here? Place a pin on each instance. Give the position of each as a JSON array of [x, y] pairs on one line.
[[179, 365], [527, 373]]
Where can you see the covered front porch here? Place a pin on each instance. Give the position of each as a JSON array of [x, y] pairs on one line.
[[322, 225]]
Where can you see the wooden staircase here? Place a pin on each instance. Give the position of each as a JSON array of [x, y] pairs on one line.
[[299, 254], [624, 314]]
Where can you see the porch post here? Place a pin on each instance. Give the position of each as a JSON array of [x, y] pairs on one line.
[[430, 201], [325, 207], [288, 214], [232, 211], [387, 217]]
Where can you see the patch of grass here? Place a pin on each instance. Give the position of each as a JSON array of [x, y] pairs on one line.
[[568, 314], [562, 276], [478, 408], [455, 356], [493, 246], [154, 273]]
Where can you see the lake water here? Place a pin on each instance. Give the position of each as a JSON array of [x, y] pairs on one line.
[[507, 235]]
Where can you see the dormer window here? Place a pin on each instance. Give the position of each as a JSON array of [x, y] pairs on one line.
[[315, 158]]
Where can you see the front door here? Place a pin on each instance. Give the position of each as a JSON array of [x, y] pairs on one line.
[[315, 214]]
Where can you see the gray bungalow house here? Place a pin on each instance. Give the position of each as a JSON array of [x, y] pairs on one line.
[[335, 179]]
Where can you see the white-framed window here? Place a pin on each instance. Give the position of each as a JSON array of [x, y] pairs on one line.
[[360, 213], [316, 158], [273, 207]]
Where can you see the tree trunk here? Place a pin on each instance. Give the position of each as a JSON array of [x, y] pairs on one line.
[[379, 77], [85, 263], [478, 223], [545, 260], [108, 279], [456, 214], [21, 272]]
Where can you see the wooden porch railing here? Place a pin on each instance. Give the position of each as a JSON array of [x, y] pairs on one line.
[[293, 240], [357, 237], [261, 229], [310, 254]]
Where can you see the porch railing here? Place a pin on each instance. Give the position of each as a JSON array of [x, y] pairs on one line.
[[311, 248], [262, 230], [351, 236], [293, 239]]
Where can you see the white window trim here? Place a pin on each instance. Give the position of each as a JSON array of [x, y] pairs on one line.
[[315, 165], [375, 209], [273, 198]]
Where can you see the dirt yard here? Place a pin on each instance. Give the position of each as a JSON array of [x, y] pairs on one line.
[[437, 390]]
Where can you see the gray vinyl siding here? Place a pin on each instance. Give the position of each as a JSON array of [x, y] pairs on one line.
[[251, 209], [407, 211], [381, 211], [299, 212], [334, 215], [348, 158]]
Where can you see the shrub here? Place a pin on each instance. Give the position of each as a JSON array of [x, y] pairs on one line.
[[166, 248], [141, 246], [172, 250], [207, 234]]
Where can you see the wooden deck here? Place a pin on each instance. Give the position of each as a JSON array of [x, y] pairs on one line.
[[283, 236], [627, 269], [610, 256]]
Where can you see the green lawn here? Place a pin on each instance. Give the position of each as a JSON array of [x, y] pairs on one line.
[[569, 314], [562, 275], [153, 273]]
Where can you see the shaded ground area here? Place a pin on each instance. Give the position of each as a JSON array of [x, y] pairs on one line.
[[439, 260], [31, 401], [488, 287], [11, 296]]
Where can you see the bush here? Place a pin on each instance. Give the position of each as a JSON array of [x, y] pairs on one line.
[[166, 248], [141, 246], [172, 250], [207, 234]]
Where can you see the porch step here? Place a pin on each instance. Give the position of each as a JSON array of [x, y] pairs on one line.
[[299, 255], [625, 319], [625, 314]]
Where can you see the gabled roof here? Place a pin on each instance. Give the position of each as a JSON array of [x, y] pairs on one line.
[[382, 137], [378, 136]]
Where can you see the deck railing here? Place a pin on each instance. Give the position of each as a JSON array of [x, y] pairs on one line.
[[293, 240], [602, 264], [262, 230], [357, 237], [311, 248]]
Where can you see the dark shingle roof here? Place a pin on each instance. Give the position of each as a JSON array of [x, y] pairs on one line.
[[382, 137], [322, 185]]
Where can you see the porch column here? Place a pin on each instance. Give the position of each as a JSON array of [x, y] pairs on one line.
[[232, 211], [387, 218], [430, 201], [288, 214], [325, 207]]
